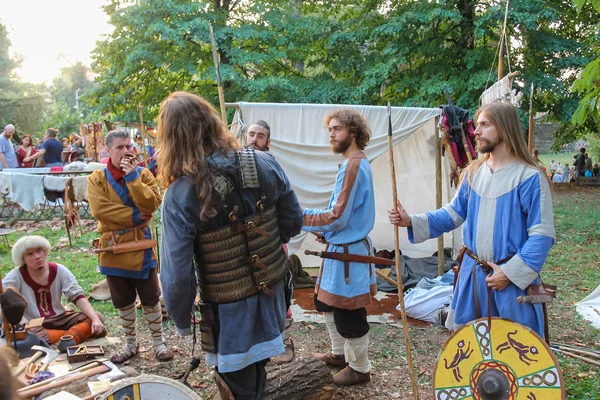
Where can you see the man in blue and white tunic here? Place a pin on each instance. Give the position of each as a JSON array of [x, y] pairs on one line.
[[225, 216], [343, 290], [505, 204]]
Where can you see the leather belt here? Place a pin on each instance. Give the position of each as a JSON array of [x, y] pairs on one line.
[[483, 264], [347, 263]]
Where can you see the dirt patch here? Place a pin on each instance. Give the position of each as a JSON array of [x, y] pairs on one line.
[[390, 375]]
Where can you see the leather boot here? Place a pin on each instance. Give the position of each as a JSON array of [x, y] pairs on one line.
[[331, 359], [349, 377]]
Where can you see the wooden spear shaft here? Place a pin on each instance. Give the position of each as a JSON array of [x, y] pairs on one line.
[[143, 132], [438, 192], [213, 45], [531, 139], [409, 358]]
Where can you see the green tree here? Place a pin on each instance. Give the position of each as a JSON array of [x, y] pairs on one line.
[[70, 100], [324, 51], [21, 104], [587, 85]]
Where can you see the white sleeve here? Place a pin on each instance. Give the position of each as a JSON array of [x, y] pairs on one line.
[[68, 284]]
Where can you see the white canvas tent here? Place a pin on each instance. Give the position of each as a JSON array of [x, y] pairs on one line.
[[300, 143]]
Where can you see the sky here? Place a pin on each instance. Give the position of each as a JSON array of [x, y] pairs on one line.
[[50, 35]]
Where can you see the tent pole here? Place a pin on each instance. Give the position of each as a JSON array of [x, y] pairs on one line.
[[438, 192], [409, 359]]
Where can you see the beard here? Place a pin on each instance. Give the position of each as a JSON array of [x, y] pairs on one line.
[[258, 148], [339, 147], [486, 146]]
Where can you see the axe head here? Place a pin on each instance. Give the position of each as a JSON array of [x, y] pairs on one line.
[[50, 355]]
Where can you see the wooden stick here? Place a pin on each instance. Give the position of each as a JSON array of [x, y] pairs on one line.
[[575, 350], [409, 358], [574, 346], [385, 277], [213, 45], [62, 382], [587, 360], [57, 378], [438, 192], [530, 142], [143, 131], [66, 210], [502, 44]]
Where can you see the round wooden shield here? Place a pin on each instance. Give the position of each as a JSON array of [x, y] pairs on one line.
[[150, 387], [507, 362]]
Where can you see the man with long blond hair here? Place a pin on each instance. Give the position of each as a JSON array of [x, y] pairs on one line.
[[505, 203], [344, 289], [226, 213]]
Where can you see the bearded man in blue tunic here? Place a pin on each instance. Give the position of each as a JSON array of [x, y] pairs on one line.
[[505, 204], [344, 289], [226, 213]]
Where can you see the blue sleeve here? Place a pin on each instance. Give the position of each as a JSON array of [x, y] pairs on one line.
[[433, 224], [336, 217], [177, 274], [45, 145], [536, 203]]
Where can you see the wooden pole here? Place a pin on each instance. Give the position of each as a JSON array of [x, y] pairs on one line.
[[531, 140], [143, 132], [213, 44], [502, 44], [438, 192], [409, 358]]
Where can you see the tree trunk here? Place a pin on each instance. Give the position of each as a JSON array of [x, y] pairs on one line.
[[467, 26], [303, 378]]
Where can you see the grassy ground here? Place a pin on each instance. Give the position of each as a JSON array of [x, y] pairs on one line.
[[563, 158], [573, 265]]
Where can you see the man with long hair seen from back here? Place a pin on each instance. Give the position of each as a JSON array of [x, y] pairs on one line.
[[505, 204], [226, 213]]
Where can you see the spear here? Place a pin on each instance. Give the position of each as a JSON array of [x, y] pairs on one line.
[[409, 359], [218, 74]]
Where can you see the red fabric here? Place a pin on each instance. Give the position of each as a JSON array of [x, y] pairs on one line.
[[43, 296], [116, 173], [21, 154], [56, 169]]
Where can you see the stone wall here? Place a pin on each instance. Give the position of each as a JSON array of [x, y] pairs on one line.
[[543, 135]]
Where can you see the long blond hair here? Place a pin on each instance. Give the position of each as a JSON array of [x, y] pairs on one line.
[[505, 118], [188, 130]]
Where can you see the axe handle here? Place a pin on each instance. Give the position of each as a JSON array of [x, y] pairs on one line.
[[30, 392], [31, 360], [535, 299], [56, 378]]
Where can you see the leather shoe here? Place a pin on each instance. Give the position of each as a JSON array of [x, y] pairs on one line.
[[349, 377], [331, 359]]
